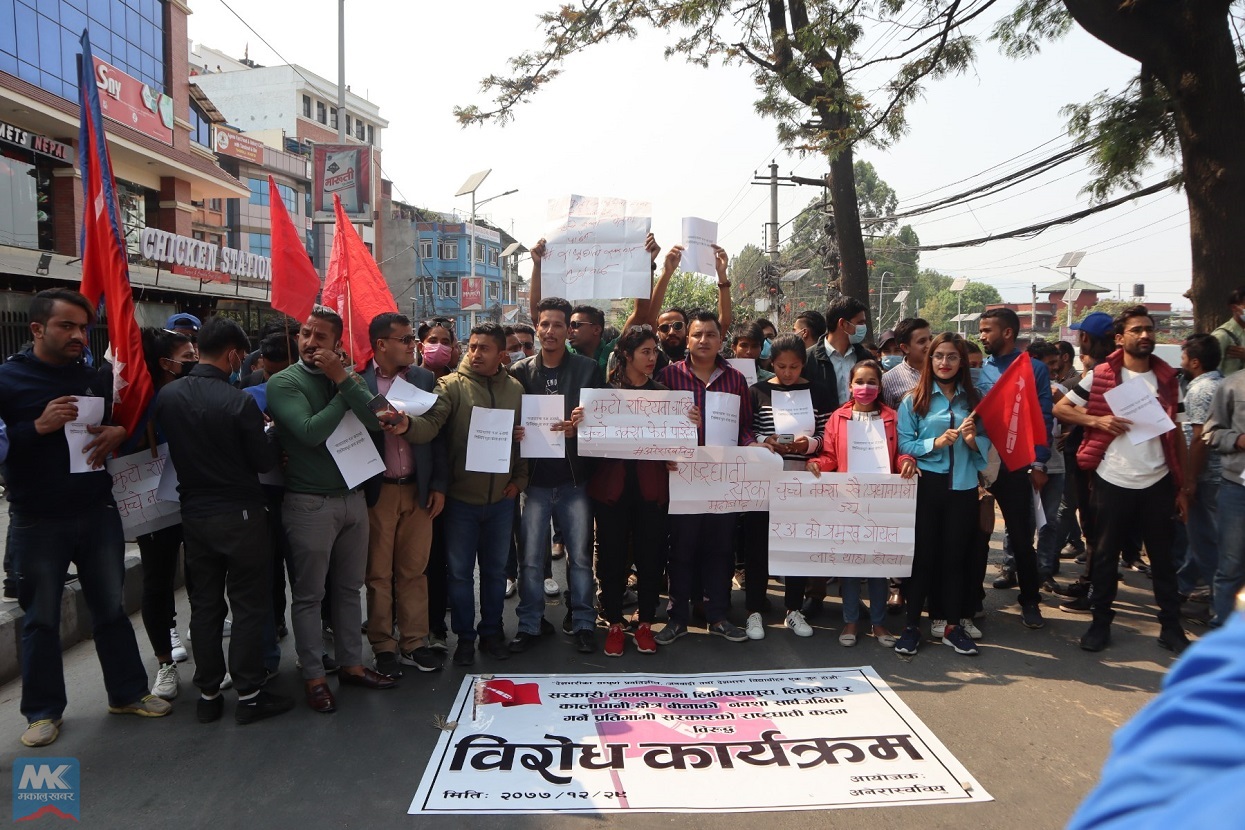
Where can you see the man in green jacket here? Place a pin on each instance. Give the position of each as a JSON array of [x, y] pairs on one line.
[[479, 506]]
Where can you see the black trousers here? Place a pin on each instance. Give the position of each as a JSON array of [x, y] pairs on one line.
[[946, 521], [438, 579], [630, 528], [754, 550], [702, 560], [158, 552], [229, 552], [1014, 493], [280, 546], [1119, 513]]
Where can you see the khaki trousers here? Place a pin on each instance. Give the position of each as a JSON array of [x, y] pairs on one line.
[[399, 539]]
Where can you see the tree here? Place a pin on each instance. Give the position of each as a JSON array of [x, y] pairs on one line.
[[804, 59], [686, 291], [1186, 100], [933, 300]]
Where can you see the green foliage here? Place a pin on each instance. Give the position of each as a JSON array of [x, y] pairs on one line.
[[1020, 33], [937, 303], [686, 290]]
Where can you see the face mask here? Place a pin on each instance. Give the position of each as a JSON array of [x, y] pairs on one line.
[[183, 367], [858, 336], [864, 395], [436, 355], [975, 374], [765, 347], [515, 357], [890, 361]]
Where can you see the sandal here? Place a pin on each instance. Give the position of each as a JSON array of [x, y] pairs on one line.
[[848, 637]]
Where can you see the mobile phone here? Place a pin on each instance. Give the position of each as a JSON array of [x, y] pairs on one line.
[[786, 438], [384, 411]]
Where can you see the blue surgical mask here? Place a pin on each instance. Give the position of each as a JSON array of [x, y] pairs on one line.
[[890, 361], [765, 349], [858, 336]]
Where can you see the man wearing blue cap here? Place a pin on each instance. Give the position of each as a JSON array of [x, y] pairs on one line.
[[184, 323]]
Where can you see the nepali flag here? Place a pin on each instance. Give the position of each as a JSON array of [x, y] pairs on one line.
[[295, 282], [1011, 415], [509, 693], [105, 270]]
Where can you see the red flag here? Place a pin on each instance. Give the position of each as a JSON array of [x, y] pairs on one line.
[[1011, 416], [295, 282], [105, 270], [509, 693], [354, 288]]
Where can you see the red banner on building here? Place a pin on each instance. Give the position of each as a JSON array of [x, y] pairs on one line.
[[471, 293], [131, 102], [344, 171]]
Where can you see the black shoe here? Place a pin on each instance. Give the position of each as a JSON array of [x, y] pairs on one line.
[[387, 664], [1050, 586], [811, 608], [283, 630], [1097, 637], [210, 710], [1075, 589], [568, 623], [330, 665], [585, 641], [546, 627], [1071, 552], [1006, 579], [1083, 558], [495, 646], [1031, 616], [1174, 639], [522, 642], [422, 658], [465, 653], [1079, 605], [1195, 612], [263, 705]]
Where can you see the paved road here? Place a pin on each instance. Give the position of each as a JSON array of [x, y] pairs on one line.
[[1031, 718]]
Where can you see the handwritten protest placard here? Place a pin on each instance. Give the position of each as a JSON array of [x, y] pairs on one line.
[[636, 423], [488, 440], [135, 482], [842, 524], [596, 249], [699, 237], [724, 480]]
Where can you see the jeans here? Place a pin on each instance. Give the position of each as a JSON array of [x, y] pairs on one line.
[[42, 548], [476, 533], [571, 509], [1119, 513], [1230, 572], [1049, 539], [1196, 548], [879, 588]]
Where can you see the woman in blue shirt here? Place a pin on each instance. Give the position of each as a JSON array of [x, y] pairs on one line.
[[935, 429]]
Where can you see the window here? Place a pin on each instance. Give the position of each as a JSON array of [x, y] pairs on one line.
[[358, 130], [333, 117], [260, 244], [425, 249], [347, 123], [306, 106], [259, 194], [448, 249], [371, 134], [200, 126], [213, 204], [479, 252], [493, 254], [494, 290], [447, 289], [320, 112]]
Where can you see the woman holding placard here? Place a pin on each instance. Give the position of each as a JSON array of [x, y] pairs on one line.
[[861, 437], [936, 426]]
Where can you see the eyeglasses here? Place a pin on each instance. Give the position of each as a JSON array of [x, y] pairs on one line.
[[578, 324], [945, 358], [666, 328], [405, 340], [527, 346]]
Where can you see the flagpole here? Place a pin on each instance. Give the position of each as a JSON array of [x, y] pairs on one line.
[[349, 320]]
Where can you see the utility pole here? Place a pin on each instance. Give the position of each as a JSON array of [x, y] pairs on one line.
[[1033, 315], [771, 228], [341, 71]]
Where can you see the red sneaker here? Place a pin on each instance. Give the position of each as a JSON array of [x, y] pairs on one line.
[[614, 641], [644, 642]]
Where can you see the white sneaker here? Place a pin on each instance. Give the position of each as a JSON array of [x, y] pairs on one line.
[[754, 627], [512, 588], [798, 625], [551, 587], [937, 628], [166, 681], [227, 683], [228, 629], [179, 650], [971, 630]]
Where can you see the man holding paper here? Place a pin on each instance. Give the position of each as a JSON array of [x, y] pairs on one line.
[[402, 502], [1133, 482], [325, 517]]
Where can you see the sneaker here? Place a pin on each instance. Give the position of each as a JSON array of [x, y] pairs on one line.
[[1050, 586], [958, 640], [551, 587], [798, 625], [465, 653], [728, 631], [1137, 565], [670, 633], [326, 630], [615, 640], [512, 588], [388, 665], [1006, 579], [1078, 605], [227, 683], [264, 705], [495, 646], [1097, 637], [209, 711], [1076, 589], [149, 706], [969, 628], [41, 732], [755, 628], [909, 641], [644, 640], [585, 641], [1174, 639], [422, 658], [1031, 616], [1071, 551], [179, 650], [166, 681], [437, 642], [937, 628]]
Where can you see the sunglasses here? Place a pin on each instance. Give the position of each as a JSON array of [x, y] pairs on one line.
[[578, 324], [666, 328]]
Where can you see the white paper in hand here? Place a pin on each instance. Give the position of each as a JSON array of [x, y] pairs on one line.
[[488, 442], [540, 412], [410, 398], [866, 447], [746, 367], [699, 237], [1135, 400], [353, 451], [793, 413], [721, 419], [90, 413], [1039, 512]]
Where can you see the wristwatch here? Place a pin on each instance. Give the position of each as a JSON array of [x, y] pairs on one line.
[[1037, 466], [726, 284]]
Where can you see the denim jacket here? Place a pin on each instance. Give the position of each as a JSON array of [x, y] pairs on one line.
[[917, 435]]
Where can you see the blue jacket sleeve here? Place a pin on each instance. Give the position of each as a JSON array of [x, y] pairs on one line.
[[1041, 376]]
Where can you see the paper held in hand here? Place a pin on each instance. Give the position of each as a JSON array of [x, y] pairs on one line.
[[410, 398], [90, 413], [596, 249], [746, 367], [488, 441], [540, 412], [793, 413], [721, 417], [866, 447], [1135, 400], [636, 423], [353, 451], [699, 237]]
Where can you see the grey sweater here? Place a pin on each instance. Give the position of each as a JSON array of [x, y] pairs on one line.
[[1226, 424]]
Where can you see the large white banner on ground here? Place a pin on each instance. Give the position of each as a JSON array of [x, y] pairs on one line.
[[636, 424], [815, 739], [596, 249], [842, 524], [135, 485], [724, 480]]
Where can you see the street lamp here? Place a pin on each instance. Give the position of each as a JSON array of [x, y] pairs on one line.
[[958, 286], [471, 186], [881, 287]]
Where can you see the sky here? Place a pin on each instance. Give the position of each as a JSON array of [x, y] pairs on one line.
[[624, 121]]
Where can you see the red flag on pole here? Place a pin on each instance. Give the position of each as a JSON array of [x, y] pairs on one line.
[[1011, 416], [295, 282], [105, 269], [354, 287]]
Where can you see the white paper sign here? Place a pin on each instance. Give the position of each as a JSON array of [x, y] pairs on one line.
[[842, 524], [724, 480], [488, 442], [805, 739], [793, 413], [539, 413], [866, 447], [1039, 512], [1135, 400], [410, 398], [135, 480], [90, 414], [721, 418], [699, 237], [636, 423], [353, 451], [746, 367], [596, 249]]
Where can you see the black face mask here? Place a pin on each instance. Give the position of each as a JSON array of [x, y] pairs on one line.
[[185, 366]]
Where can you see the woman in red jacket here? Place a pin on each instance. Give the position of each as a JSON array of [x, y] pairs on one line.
[[864, 407]]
